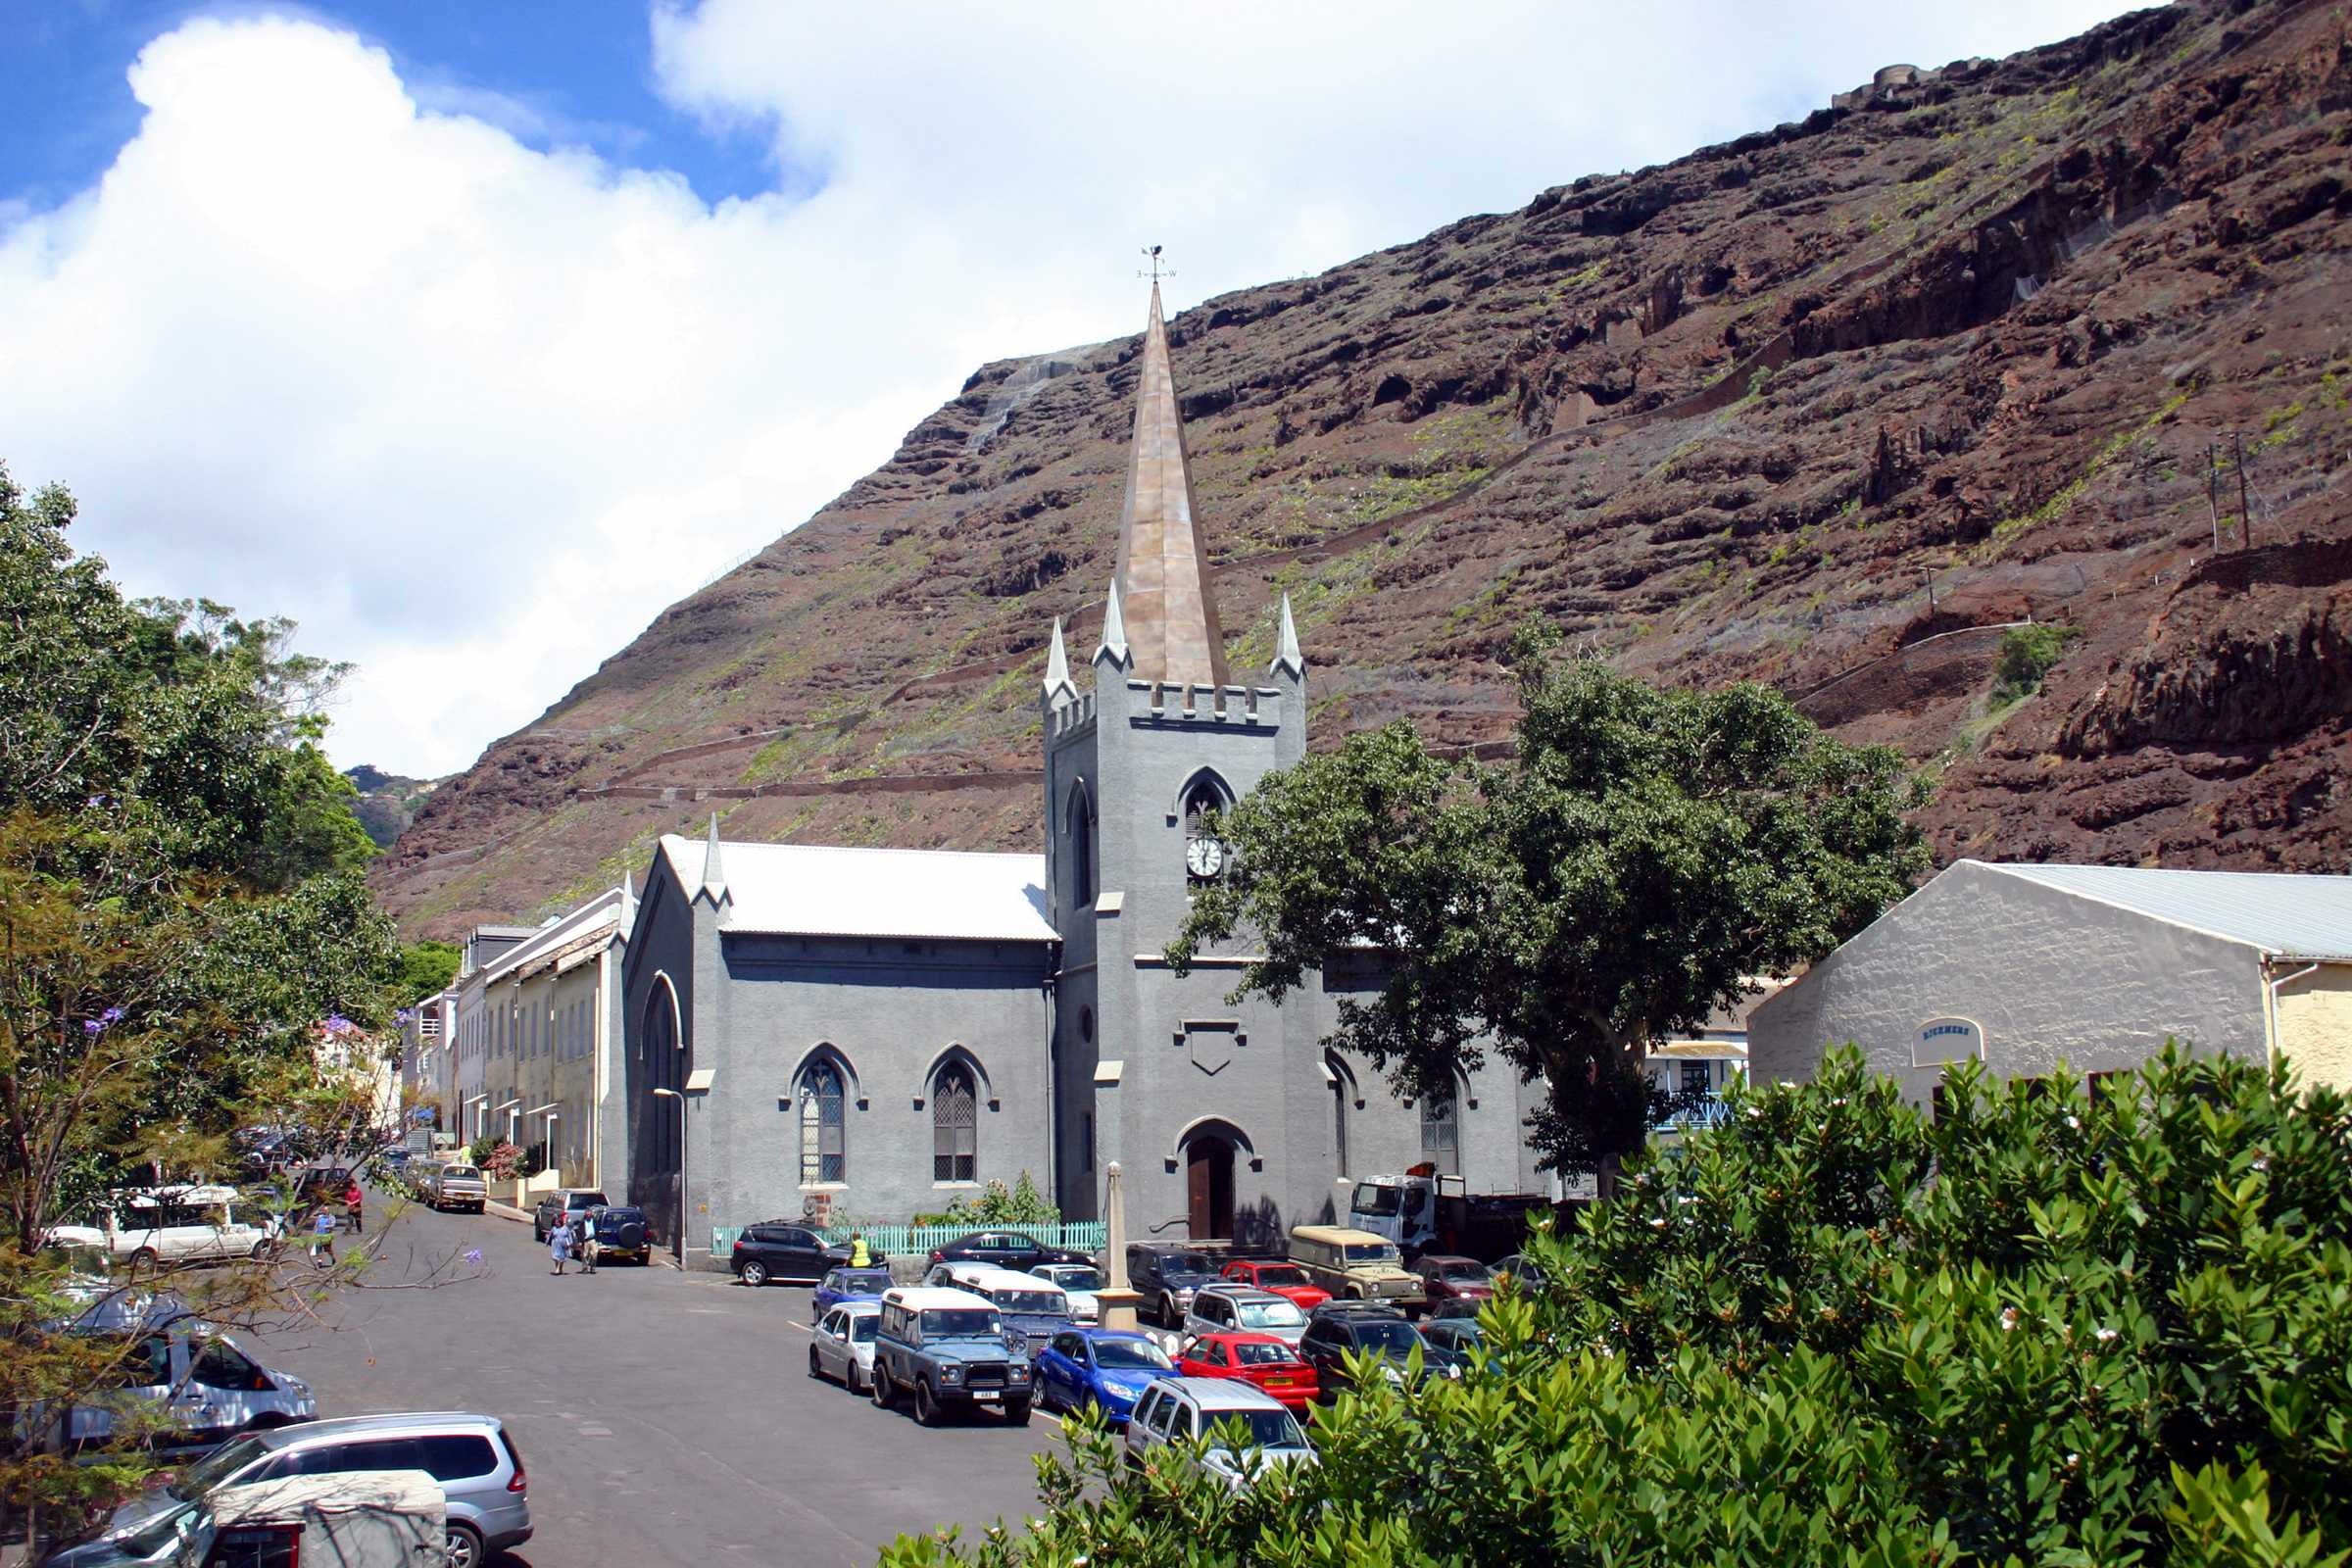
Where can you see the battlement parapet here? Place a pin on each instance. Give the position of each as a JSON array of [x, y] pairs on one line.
[[1183, 701]]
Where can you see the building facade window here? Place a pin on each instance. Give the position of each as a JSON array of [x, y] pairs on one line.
[[1079, 829], [824, 1153], [1441, 1133], [954, 1125], [1339, 1122]]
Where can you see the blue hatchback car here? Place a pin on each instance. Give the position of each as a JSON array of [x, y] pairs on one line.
[[846, 1285], [1106, 1368]]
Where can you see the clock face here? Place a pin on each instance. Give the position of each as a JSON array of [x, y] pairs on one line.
[[1203, 857]]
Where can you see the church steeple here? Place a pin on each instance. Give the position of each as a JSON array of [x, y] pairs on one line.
[[1162, 584], [1059, 687]]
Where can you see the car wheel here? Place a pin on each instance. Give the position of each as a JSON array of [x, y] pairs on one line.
[[884, 1392], [753, 1273], [144, 1258], [852, 1380], [538, 1232], [926, 1405], [466, 1549], [261, 1249], [1169, 1317], [1016, 1412]]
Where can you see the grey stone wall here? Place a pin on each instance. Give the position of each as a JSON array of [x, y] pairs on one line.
[[2050, 976]]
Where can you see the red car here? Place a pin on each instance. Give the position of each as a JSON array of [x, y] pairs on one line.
[[1454, 1278], [1258, 1358], [1285, 1280]]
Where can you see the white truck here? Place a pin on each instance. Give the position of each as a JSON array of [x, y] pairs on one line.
[[1422, 1211], [158, 1226]]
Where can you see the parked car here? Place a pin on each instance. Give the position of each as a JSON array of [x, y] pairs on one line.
[[1445, 1277], [562, 1207], [1331, 1336], [1079, 1282], [842, 1345], [1107, 1368], [455, 1185], [397, 1157], [204, 1381], [1272, 1364], [1167, 1273], [1354, 1266], [1224, 1308], [946, 1349], [322, 1186], [1211, 1410], [1004, 1248], [362, 1519], [1285, 1279], [161, 1227], [623, 1235], [1032, 1308], [483, 1486], [845, 1284], [1456, 1309], [786, 1250], [1457, 1335], [1522, 1267]]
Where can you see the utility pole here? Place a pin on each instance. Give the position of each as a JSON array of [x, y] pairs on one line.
[[2245, 509], [2213, 504]]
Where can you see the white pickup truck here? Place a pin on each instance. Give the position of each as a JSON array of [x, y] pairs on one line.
[[153, 1227]]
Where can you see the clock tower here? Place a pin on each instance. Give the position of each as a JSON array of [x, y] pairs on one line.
[[1192, 1093]]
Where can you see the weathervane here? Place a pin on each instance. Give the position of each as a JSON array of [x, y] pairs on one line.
[[1158, 272]]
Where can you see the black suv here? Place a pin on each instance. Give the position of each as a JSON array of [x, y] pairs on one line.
[[1004, 1248], [785, 1249], [1335, 1330], [1167, 1273]]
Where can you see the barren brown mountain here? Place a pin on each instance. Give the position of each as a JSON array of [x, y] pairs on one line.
[[2065, 337]]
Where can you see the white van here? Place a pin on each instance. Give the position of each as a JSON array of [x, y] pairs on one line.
[[203, 1380], [152, 1227]]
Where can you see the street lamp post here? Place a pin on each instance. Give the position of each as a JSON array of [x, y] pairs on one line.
[[677, 1241]]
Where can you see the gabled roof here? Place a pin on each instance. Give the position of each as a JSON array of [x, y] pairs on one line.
[[603, 920], [2286, 914], [819, 890]]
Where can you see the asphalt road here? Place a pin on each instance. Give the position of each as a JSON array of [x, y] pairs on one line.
[[663, 1417]]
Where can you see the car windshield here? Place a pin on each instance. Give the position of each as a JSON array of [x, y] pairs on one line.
[[460, 1173], [217, 1466], [1074, 1277], [1265, 1429], [1285, 1276], [1396, 1339], [1268, 1314], [1464, 1274], [1049, 1302], [1186, 1263], [861, 1279], [960, 1322], [150, 1539], [1371, 1199], [1130, 1356], [1267, 1354], [1369, 1252], [585, 1200]]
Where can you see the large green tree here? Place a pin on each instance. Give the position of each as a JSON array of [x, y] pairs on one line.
[[2051, 1326], [1645, 852]]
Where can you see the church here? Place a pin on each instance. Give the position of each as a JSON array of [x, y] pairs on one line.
[[870, 1033]]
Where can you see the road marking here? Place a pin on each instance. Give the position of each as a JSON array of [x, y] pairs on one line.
[[796, 1323]]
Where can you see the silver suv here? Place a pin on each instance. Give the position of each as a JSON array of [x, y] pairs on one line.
[[1206, 1412], [474, 1458]]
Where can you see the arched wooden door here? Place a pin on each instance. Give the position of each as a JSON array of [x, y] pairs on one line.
[[1208, 1186]]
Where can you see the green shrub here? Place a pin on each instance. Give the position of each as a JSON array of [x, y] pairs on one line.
[[1021, 1204], [2048, 1328], [2028, 653]]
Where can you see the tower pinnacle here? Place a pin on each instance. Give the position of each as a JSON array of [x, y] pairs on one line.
[[1162, 584], [1287, 656], [1059, 687], [1114, 644]]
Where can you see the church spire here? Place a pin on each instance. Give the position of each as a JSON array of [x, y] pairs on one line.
[[1059, 687], [1114, 644], [715, 875], [1287, 656], [1162, 584]]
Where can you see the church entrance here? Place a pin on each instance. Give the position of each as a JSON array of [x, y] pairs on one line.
[[1208, 1186]]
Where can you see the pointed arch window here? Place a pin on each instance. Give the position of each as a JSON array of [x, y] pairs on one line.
[[1203, 850], [825, 1151], [1079, 828], [954, 1125], [1441, 1132]]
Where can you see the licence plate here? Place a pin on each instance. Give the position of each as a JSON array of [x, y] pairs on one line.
[[985, 1395]]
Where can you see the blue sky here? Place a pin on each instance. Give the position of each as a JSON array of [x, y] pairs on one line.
[[550, 72], [472, 334]]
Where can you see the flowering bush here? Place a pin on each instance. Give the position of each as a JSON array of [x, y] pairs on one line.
[[2051, 1327], [503, 1163]]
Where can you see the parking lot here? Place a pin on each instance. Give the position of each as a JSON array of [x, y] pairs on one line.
[[663, 1417]]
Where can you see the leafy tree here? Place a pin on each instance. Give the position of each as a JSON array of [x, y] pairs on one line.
[[1646, 853], [2051, 1327], [426, 968]]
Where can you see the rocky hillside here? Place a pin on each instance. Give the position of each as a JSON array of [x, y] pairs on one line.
[[1827, 406], [387, 802]]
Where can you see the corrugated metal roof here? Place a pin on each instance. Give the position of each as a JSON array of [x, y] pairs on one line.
[[2287, 913], [820, 890]]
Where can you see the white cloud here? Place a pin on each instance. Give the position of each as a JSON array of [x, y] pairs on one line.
[[474, 412]]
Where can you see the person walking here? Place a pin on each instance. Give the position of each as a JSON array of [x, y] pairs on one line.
[[860, 1255], [587, 1224], [353, 1197], [322, 1237], [558, 1246]]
